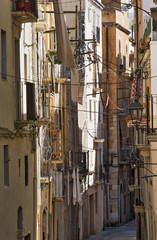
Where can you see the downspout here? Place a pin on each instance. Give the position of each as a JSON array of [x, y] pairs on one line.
[[108, 186], [137, 60], [35, 179], [118, 158]]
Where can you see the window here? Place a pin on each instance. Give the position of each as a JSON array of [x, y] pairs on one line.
[[124, 62], [19, 223], [90, 109], [28, 237], [26, 170], [6, 166], [3, 55], [30, 101]]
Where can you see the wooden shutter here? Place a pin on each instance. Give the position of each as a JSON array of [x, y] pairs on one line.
[[30, 101]]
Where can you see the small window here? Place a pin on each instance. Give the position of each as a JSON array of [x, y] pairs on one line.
[[124, 63], [6, 166], [3, 55], [26, 170]]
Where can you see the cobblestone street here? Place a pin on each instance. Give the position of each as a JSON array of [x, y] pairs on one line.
[[126, 232]]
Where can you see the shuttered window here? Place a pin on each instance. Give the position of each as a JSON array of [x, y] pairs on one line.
[[3, 55], [30, 101]]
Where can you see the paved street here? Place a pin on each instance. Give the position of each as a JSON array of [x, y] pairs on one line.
[[126, 232]]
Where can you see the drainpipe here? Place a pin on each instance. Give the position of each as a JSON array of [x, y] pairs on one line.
[[107, 165], [35, 179], [137, 60]]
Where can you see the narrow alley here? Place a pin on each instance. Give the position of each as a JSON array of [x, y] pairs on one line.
[[124, 232]]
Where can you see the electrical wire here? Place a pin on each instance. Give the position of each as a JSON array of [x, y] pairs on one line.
[[129, 5]]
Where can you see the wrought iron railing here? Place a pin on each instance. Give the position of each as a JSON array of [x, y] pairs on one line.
[[79, 160]]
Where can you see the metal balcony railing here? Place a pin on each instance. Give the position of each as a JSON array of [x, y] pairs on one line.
[[80, 160], [25, 5]]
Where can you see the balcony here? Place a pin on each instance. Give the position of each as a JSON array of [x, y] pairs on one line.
[[24, 10], [80, 160]]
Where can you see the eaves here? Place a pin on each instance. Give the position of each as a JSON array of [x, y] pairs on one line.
[[117, 25], [97, 4]]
